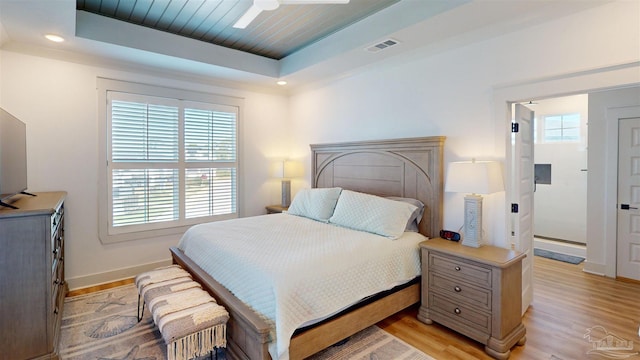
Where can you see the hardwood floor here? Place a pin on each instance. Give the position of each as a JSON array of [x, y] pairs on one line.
[[567, 302], [91, 289]]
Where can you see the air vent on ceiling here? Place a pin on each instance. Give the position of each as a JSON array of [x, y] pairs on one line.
[[382, 45]]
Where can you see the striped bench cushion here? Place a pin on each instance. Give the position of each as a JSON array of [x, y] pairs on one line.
[[192, 324], [160, 275]]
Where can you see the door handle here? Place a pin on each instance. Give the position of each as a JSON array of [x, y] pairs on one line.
[[627, 207]]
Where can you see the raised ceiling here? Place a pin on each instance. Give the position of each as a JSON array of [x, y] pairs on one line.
[[421, 27], [273, 34]]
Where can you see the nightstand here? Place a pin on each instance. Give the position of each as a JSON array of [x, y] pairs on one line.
[[276, 209], [474, 291]]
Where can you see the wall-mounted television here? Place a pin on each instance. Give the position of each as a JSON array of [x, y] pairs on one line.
[[13, 157]]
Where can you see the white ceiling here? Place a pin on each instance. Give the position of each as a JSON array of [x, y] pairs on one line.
[[425, 26]]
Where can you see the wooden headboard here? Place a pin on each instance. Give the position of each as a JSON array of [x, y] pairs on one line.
[[409, 167]]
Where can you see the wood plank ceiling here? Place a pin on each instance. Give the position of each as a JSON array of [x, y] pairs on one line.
[[273, 34]]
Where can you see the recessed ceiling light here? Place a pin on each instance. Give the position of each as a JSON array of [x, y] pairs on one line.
[[54, 38], [281, 82]]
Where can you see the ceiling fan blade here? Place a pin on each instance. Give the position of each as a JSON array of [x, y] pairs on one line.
[[312, 2], [248, 17], [260, 5]]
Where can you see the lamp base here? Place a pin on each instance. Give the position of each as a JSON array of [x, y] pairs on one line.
[[472, 221], [286, 193]]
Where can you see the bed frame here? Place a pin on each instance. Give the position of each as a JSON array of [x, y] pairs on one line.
[[403, 167]]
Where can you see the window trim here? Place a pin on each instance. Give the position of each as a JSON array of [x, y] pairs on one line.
[[105, 85]]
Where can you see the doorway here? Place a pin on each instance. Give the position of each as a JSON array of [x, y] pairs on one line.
[[560, 156], [605, 109], [608, 87]]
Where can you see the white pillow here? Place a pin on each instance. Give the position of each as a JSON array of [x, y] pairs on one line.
[[416, 217], [372, 214], [316, 204]]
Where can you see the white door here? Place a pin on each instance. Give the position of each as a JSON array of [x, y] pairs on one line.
[[523, 167], [628, 242]]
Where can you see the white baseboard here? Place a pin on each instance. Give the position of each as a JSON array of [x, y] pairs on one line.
[[594, 268], [560, 247], [114, 275]]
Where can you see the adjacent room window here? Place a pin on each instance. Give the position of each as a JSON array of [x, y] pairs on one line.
[[561, 128], [170, 163]]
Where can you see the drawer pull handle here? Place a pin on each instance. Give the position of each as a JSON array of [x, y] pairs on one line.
[[457, 289], [56, 311], [457, 311], [457, 268], [57, 281]]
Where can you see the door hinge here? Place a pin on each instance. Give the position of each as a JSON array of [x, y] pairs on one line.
[[515, 127], [514, 208]]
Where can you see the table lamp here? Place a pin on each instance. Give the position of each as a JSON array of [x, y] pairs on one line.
[[287, 170], [474, 178]]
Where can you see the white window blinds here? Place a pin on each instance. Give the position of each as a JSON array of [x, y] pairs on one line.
[[210, 138], [170, 162]]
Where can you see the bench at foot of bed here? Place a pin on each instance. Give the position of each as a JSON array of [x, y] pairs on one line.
[[192, 324]]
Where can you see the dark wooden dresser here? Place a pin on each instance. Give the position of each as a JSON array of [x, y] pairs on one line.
[[32, 285]]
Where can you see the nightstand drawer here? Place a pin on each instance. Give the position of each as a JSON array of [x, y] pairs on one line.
[[458, 312], [461, 291], [459, 269]]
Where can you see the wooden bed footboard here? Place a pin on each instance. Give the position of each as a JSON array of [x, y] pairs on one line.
[[248, 334], [352, 320]]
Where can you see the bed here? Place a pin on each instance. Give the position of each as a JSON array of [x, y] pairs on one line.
[[408, 168]]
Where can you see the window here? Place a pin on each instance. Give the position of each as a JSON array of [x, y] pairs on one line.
[[561, 128], [170, 162]]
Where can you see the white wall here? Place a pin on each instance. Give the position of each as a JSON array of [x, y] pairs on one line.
[[560, 209], [603, 177], [451, 93], [58, 102]]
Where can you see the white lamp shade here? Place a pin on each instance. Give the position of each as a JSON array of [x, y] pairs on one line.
[[287, 169], [475, 177]]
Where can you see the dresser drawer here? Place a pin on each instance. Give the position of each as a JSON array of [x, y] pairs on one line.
[[461, 291], [56, 218], [459, 269], [56, 256], [57, 281], [461, 313], [57, 300], [57, 239]]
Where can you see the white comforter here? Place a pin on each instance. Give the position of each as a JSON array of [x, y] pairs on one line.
[[294, 271]]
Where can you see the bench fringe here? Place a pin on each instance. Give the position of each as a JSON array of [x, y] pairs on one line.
[[198, 344]]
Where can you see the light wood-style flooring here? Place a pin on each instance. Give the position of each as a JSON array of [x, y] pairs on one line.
[[567, 302]]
